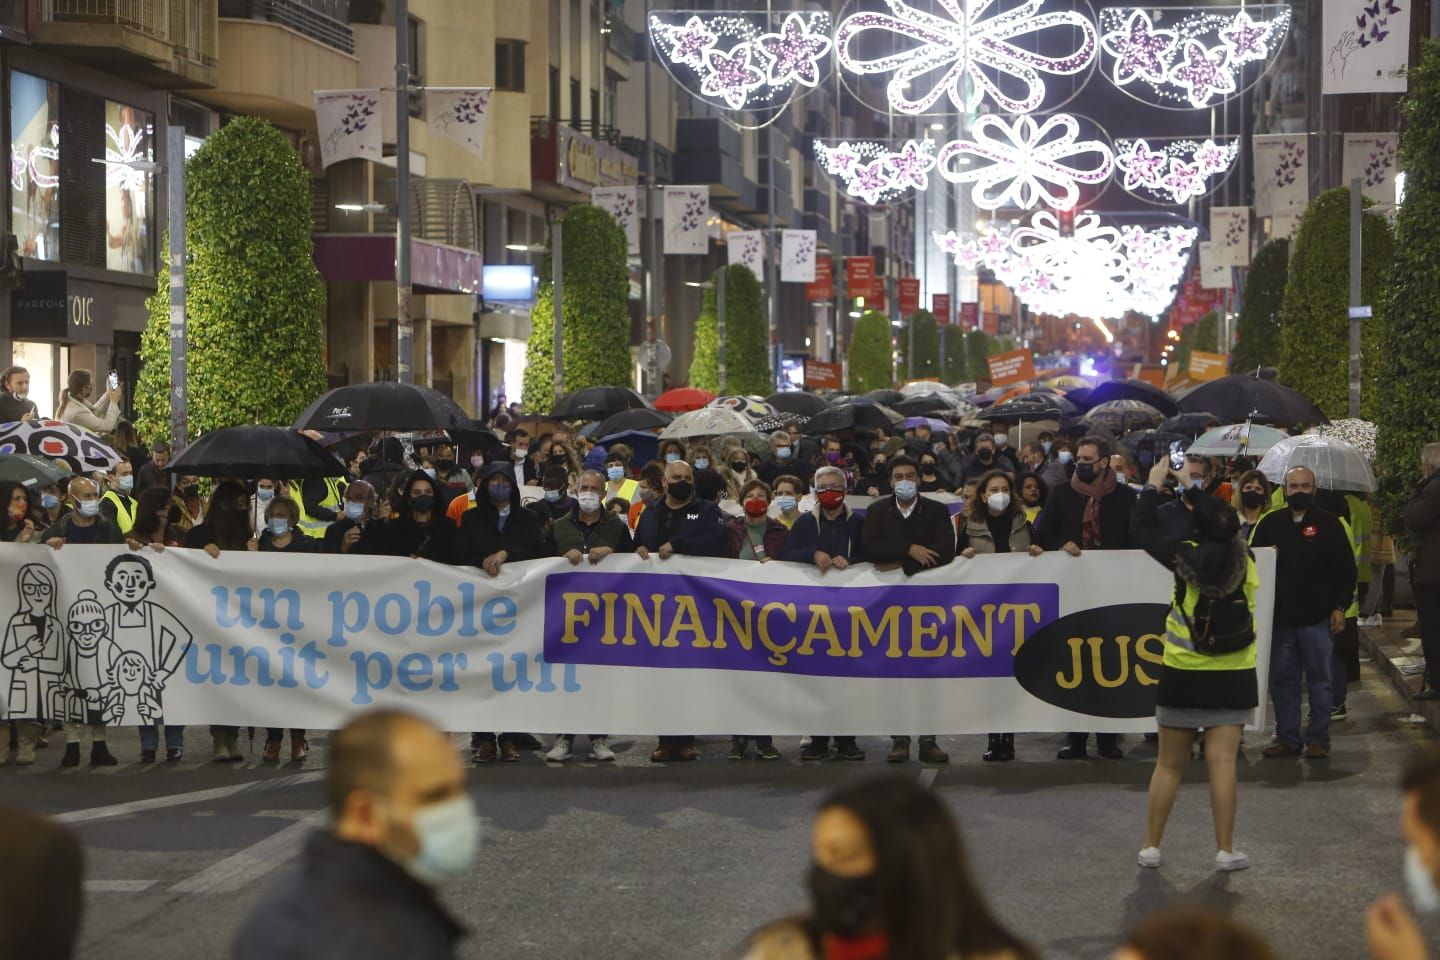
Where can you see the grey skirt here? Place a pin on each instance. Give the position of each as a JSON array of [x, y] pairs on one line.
[[1196, 718]]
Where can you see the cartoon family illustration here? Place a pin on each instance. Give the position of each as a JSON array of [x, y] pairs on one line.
[[99, 664]]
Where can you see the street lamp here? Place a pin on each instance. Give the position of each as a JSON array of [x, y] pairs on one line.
[[719, 287]]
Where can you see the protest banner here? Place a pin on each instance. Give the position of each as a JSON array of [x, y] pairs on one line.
[[1017, 366], [685, 645]]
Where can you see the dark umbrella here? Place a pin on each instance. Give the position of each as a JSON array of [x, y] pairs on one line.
[[644, 447], [1123, 415], [1237, 398], [257, 451], [31, 471], [888, 397], [640, 419], [1134, 390], [1080, 396], [923, 405], [597, 403], [1032, 406], [797, 401], [1191, 424], [777, 421], [849, 415], [383, 406]]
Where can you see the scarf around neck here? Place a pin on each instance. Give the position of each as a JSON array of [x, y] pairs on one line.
[[1095, 491]]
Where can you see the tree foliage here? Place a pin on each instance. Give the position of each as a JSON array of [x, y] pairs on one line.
[[1315, 327], [979, 346], [255, 302], [596, 311], [1409, 407], [956, 362], [1258, 331], [927, 347], [1202, 335], [747, 333], [871, 354]]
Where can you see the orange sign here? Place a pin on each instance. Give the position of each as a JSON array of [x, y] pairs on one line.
[[1155, 376], [824, 286], [907, 291], [1013, 367], [1205, 367], [822, 376]]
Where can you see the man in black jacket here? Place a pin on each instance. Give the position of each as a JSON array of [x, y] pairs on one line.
[[365, 889], [1314, 583], [909, 532], [15, 402], [1422, 520]]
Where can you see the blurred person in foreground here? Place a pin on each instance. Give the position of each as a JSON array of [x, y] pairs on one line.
[[1192, 933], [888, 880], [40, 889], [1391, 927], [402, 825]]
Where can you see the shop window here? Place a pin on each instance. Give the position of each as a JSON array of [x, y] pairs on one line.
[[510, 65], [35, 165]]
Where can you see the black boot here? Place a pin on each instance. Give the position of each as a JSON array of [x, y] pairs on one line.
[[100, 755], [72, 755], [1001, 748]]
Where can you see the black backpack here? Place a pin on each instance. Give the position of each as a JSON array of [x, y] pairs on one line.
[[1220, 624]]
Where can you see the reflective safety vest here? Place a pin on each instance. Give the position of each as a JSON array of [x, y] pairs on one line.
[[1354, 609], [1180, 653], [627, 490], [124, 515], [334, 499]]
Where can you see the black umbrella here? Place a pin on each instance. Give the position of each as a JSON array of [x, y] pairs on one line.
[[1191, 424], [638, 419], [1080, 396], [31, 471], [924, 405], [596, 403], [849, 415], [1031, 406], [797, 401], [1134, 390], [888, 397], [1235, 398], [383, 406], [257, 451]]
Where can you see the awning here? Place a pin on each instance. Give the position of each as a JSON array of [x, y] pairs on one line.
[[370, 258]]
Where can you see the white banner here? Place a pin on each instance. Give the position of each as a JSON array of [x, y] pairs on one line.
[[1230, 236], [349, 125], [1371, 158], [687, 215], [747, 248], [797, 256], [1213, 276], [620, 203], [1282, 173], [1366, 46], [459, 114], [626, 646], [1285, 225]]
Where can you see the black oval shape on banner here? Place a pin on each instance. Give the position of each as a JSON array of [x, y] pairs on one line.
[[1104, 662]]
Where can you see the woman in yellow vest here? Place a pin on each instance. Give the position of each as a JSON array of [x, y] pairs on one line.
[[1207, 681]]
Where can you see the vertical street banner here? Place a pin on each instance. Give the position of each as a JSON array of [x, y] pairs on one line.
[[797, 256], [1213, 275], [349, 125], [1371, 158], [907, 294], [1282, 173], [1230, 236], [1365, 46], [823, 286], [747, 248], [687, 215], [860, 279], [969, 315], [622, 203], [460, 114], [940, 306]]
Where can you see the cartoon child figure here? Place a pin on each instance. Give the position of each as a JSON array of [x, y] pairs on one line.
[[130, 700]]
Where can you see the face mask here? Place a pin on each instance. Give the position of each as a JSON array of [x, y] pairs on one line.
[[477, 462], [1001, 439], [449, 837], [424, 503], [552, 496], [445, 465], [1086, 472], [88, 508], [264, 495], [833, 456], [589, 502], [672, 457], [354, 510], [755, 507], [521, 453], [125, 484], [615, 473], [927, 466], [17, 512], [681, 490], [830, 499], [997, 502], [905, 490], [701, 463], [842, 905], [557, 457], [49, 501], [22, 396], [985, 454], [1046, 445], [739, 466], [782, 453], [1065, 456], [785, 502], [1120, 476], [500, 491], [647, 495], [937, 448], [191, 491], [1300, 502], [1251, 499], [1197, 483], [279, 526]]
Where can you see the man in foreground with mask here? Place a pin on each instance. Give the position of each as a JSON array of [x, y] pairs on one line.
[[1393, 932], [402, 826]]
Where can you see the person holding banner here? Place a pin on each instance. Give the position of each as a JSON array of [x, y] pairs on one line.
[[759, 537], [83, 524], [358, 510], [418, 527]]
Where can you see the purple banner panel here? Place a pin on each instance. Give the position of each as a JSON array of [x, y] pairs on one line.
[[705, 623]]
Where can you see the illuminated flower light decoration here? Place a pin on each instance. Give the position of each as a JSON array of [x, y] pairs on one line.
[[875, 173], [1026, 163], [964, 41], [1199, 57], [1174, 171], [734, 62], [124, 148]]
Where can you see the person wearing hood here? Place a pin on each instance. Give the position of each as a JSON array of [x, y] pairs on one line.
[[1207, 678], [418, 528]]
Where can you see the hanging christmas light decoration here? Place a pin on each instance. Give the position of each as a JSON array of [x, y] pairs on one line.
[[1024, 163], [874, 172], [1174, 170], [736, 61], [959, 40], [1190, 57]]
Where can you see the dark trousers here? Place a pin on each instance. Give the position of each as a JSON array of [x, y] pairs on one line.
[[823, 742], [1427, 607], [1103, 741], [674, 742], [1345, 660], [276, 734]]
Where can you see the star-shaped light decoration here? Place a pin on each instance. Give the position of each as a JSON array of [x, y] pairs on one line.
[[1184, 180], [732, 75], [1213, 158], [691, 43], [877, 172], [794, 52], [1139, 49], [1245, 39], [1142, 166], [912, 165], [1203, 72]]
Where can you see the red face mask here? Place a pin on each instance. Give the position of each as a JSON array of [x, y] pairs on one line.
[[830, 499], [755, 507], [17, 512]]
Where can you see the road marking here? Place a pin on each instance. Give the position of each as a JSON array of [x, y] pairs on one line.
[[92, 814], [927, 777], [118, 886], [242, 868]]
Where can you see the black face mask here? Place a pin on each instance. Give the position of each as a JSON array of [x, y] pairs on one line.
[[557, 457], [842, 905], [424, 503], [1086, 472], [1300, 502], [445, 466], [739, 466], [681, 489], [985, 454], [191, 491], [1251, 499]]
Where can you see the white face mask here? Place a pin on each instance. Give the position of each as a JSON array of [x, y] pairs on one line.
[[997, 502], [88, 508], [1120, 476], [1001, 439], [1420, 883], [589, 502], [449, 836]]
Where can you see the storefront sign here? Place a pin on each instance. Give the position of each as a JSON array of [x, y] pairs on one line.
[[940, 306], [55, 306]]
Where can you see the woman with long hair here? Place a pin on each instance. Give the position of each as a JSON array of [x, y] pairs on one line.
[[1033, 493], [1251, 500], [75, 406], [16, 524], [889, 880], [417, 526]]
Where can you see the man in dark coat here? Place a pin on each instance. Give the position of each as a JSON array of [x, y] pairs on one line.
[[1422, 520], [15, 402]]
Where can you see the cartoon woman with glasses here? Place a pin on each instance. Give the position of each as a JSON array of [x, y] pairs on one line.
[[33, 649]]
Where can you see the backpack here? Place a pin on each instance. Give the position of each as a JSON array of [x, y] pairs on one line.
[[1221, 624]]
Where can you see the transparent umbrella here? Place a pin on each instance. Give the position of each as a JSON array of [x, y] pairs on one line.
[[1238, 439], [1336, 464], [707, 422]]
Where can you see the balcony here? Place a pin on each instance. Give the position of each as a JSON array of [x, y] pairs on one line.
[[308, 19], [169, 44]]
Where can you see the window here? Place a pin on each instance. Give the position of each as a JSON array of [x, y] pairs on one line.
[[35, 165], [129, 189], [574, 102], [416, 52], [510, 65]]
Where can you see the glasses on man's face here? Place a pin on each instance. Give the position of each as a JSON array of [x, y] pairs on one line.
[[830, 489]]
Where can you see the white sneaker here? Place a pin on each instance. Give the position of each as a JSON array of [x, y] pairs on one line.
[[805, 741], [1149, 857], [1414, 668], [1374, 620], [600, 750], [1226, 861], [560, 752]]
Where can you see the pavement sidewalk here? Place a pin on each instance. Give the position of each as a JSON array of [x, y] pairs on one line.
[[1393, 652]]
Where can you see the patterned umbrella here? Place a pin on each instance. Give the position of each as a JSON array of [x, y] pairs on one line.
[[707, 422], [1358, 433], [57, 440], [752, 407], [1122, 415], [1238, 439], [778, 421]]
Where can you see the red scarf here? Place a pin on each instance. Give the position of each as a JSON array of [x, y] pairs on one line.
[[873, 947], [1095, 491]]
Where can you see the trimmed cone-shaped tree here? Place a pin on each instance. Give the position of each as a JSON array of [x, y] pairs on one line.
[[1258, 331], [956, 362], [871, 361], [1201, 335], [927, 347], [597, 315], [1409, 406], [255, 301], [979, 345], [747, 363], [1314, 321]]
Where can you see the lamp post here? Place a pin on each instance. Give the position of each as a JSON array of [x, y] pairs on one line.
[[179, 392], [404, 329], [557, 273]]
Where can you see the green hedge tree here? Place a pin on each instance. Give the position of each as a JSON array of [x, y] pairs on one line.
[[1201, 335], [955, 365], [747, 331], [979, 346], [871, 354], [1315, 327], [1258, 331], [927, 347], [255, 303], [1409, 407], [596, 311]]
